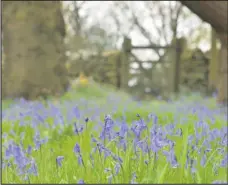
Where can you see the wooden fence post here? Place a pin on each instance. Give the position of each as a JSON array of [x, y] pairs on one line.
[[213, 65], [179, 49], [126, 49], [174, 76], [223, 70]]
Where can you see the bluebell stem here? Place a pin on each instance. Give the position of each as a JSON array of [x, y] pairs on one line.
[[92, 159]]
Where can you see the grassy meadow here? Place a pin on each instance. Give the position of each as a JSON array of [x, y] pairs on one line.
[[95, 134]]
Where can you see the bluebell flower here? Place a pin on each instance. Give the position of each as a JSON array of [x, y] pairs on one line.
[[171, 158], [81, 181], [76, 112], [29, 150], [123, 129], [76, 129], [110, 179], [33, 168], [106, 170], [155, 120], [117, 158], [224, 161], [4, 135], [93, 139], [134, 177], [224, 140], [179, 132], [77, 148], [59, 160], [219, 182], [9, 152], [122, 143], [206, 144], [203, 160], [193, 165], [117, 168], [106, 153], [80, 160]]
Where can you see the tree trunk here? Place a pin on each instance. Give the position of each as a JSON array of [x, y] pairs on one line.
[[222, 84], [34, 49]]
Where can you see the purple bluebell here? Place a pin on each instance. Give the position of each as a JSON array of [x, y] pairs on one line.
[[133, 178], [106, 130], [29, 150], [122, 143], [216, 132], [20, 159], [224, 161], [80, 160], [86, 120], [123, 129], [33, 168], [146, 162], [219, 182], [4, 135], [76, 129], [9, 152], [81, 181], [224, 141], [190, 139], [76, 112], [106, 170], [117, 158], [117, 168], [179, 132], [157, 143], [59, 160], [110, 177], [203, 160], [155, 120], [171, 158], [106, 154], [193, 166], [77, 149], [93, 139], [206, 144]]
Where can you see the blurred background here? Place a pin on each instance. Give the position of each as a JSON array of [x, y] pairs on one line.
[[149, 49]]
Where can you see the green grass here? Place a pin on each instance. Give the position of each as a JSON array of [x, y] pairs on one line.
[[62, 140]]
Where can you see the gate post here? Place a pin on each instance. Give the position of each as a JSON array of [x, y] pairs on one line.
[[223, 69], [126, 49]]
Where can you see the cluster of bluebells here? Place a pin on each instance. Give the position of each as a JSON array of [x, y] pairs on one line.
[[152, 140], [17, 156]]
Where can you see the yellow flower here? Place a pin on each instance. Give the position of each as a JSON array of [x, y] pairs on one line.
[[83, 79]]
